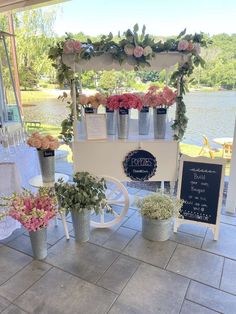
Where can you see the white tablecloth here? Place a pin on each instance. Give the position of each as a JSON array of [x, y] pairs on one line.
[[27, 166]]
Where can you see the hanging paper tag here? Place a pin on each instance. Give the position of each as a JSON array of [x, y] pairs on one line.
[[123, 111], [161, 110]]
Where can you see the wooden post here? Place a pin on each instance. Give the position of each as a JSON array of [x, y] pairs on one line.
[[75, 122], [231, 194], [15, 64]]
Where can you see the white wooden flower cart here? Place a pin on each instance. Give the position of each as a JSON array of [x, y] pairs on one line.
[[105, 157]]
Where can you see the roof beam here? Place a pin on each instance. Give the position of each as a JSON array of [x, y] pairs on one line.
[[13, 5]]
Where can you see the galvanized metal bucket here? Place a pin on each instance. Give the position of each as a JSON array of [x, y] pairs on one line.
[[123, 123], [159, 122], [111, 121], [156, 230], [81, 224], [39, 243], [47, 165], [144, 121]]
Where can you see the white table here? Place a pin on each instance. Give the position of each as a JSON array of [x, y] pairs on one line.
[[38, 182]]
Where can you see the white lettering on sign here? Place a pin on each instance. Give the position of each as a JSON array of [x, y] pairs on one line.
[[141, 162]]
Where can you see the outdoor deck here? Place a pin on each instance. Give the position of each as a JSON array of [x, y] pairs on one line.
[[118, 271]]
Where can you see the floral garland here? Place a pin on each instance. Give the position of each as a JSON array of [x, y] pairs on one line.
[[141, 49]]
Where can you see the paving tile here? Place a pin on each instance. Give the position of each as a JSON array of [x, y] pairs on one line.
[[151, 291], [228, 219], [187, 239], [12, 309], [212, 298], [192, 229], [86, 260], [3, 303], [23, 244], [14, 235], [155, 253], [59, 292], [116, 277], [193, 308], [228, 282], [226, 243], [55, 233], [195, 264], [118, 209], [17, 284], [119, 239], [11, 262], [134, 222]]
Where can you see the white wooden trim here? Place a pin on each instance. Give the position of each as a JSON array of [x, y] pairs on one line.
[[179, 221]]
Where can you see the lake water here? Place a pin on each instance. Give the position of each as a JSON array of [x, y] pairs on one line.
[[209, 113]]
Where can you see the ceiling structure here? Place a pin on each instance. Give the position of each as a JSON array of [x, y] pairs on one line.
[[16, 5]]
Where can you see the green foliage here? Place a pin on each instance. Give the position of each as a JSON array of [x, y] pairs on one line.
[[148, 76], [86, 192], [160, 206]]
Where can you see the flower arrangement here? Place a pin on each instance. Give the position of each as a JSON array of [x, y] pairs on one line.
[[93, 101], [33, 211], [160, 206], [126, 101], [43, 142], [156, 97], [72, 46]]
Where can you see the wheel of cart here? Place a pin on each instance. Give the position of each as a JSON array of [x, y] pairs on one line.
[[115, 207]]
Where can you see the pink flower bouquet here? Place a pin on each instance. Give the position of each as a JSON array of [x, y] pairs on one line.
[[126, 101], [33, 211], [72, 46], [156, 97], [43, 142], [93, 101]]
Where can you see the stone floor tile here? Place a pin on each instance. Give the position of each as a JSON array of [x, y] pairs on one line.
[[116, 277], [86, 260], [228, 219], [60, 292], [151, 291], [187, 239], [192, 229], [134, 222], [119, 239], [118, 210], [226, 243], [55, 233], [12, 309], [17, 284], [212, 298], [13, 236], [193, 308], [196, 264], [4, 303], [23, 244], [228, 282], [155, 253], [11, 262]]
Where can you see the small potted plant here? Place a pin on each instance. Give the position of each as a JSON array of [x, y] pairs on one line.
[[33, 211], [157, 211], [86, 194]]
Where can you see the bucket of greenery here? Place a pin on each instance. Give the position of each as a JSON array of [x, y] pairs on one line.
[[85, 194], [157, 211]]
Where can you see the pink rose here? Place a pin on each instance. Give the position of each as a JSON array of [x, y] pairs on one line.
[[83, 100], [54, 145], [190, 46], [197, 48], [147, 51], [183, 45], [30, 141], [77, 46], [68, 46], [35, 134], [129, 49], [45, 143], [138, 51], [50, 137], [36, 143]]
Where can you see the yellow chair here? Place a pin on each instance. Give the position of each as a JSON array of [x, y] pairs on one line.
[[227, 150], [206, 148]]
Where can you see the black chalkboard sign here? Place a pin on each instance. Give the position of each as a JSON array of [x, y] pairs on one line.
[[48, 153], [201, 189], [89, 110], [140, 165]]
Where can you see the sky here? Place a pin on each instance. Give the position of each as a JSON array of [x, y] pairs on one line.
[[161, 17]]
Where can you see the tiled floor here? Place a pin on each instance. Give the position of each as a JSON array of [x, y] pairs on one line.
[[118, 271]]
